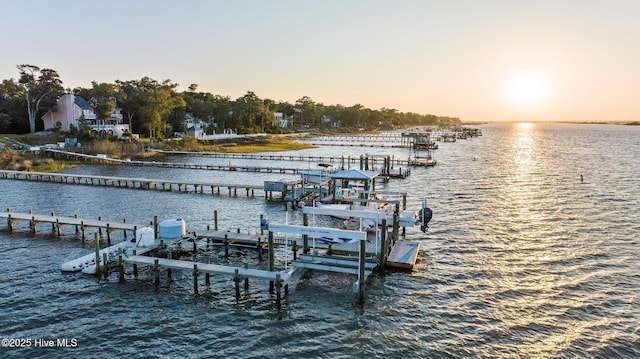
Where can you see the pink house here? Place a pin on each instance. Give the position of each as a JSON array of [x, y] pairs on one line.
[[70, 109]]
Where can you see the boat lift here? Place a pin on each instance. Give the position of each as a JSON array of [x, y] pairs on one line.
[[330, 263]]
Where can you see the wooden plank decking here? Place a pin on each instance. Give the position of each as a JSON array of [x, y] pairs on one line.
[[128, 182], [210, 268], [404, 254], [61, 220]]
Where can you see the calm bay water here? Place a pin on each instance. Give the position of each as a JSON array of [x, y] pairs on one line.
[[523, 260]]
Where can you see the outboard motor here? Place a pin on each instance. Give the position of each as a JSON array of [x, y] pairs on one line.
[[425, 216]]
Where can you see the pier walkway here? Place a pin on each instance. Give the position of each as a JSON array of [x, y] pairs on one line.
[[126, 182], [342, 161], [283, 276], [192, 166], [81, 224]]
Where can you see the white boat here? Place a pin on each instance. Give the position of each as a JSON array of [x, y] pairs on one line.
[[317, 176], [405, 218], [87, 264]]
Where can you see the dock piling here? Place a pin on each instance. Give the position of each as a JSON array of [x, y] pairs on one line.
[[361, 277], [97, 246], [246, 279], [169, 256], [105, 263], [156, 274], [195, 278], [135, 266], [226, 246], [236, 280], [278, 288], [120, 268], [271, 259], [207, 276]]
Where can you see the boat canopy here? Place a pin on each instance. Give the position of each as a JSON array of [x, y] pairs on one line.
[[356, 175]]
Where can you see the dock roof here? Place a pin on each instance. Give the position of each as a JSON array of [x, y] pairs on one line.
[[355, 174]]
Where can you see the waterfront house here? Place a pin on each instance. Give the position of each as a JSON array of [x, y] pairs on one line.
[[70, 109]]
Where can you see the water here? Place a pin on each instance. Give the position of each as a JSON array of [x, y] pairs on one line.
[[523, 259]]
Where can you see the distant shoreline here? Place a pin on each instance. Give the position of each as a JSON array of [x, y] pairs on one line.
[[624, 123]]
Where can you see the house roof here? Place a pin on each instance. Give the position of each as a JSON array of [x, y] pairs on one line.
[[82, 103], [355, 174]]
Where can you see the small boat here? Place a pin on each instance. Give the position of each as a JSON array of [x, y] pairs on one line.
[[87, 263], [405, 218], [317, 176]]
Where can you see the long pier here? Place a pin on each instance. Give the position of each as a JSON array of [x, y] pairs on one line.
[[132, 183], [346, 161], [81, 224], [192, 166]]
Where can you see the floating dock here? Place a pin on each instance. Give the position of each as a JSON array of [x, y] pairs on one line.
[[404, 254]]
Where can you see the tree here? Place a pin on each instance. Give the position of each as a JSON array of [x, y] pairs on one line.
[[251, 112], [148, 103], [42, 87], [12, 105]]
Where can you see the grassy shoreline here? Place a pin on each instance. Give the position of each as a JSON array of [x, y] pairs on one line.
[[19, 160]]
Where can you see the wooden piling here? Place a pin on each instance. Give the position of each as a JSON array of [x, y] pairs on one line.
[[135, 266], [305, 237], [155, 226], [278, 288], [121, 268], [106, 265], [97, 246], [83, 233], [100, 228], [169, 256], [226, 245], [236, 280], [215, 219], [246, 279], [77, 230], [156, 274], [108, 234], [361, 268], [32, 224], [207, 276], [384, 250], [271, 259], [195, 278]]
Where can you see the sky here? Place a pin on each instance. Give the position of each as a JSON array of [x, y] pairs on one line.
[[479, 60]]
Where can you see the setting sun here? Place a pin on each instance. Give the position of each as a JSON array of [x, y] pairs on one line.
[[529, 89]]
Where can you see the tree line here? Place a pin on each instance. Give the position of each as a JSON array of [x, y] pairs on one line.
[[155, 109]]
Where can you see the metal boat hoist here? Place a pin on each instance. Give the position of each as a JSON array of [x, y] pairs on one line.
[[331, 263]]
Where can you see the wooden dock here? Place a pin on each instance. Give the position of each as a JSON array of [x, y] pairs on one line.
[[81, 224], [252, 240], [192, 166], [341, 161], [283, 276], [131, 183]]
